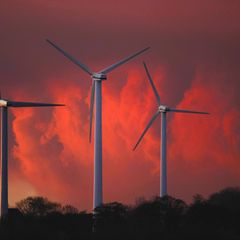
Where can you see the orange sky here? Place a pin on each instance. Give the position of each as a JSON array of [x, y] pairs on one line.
[[194, 61]]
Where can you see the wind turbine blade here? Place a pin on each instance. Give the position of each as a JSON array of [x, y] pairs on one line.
[[91, 109], [147, 127], [32, 104], [115, 65], [152, 84], [185, 111], [71, 58]]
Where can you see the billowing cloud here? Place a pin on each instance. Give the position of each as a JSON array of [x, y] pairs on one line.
[[206, 147]]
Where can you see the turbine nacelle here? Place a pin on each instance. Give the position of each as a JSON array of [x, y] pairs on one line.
[[99, 76], [162, 108], [3, 103]]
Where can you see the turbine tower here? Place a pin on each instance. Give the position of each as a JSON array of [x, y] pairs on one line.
[[5, 104], [96, 91], [162, 110]]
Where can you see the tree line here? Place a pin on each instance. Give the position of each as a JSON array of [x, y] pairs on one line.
[[217, 217]]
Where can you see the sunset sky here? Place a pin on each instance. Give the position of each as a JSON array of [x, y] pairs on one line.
[[194, 60]]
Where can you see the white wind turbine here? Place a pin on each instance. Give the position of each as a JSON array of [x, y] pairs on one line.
[[96, 91], [5, 104], [162, 109]]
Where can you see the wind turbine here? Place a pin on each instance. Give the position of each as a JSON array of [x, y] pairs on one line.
[[162, 110], [5, 104], [96, 91]]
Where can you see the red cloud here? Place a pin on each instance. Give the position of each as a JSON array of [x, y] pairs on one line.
[[56, 158]]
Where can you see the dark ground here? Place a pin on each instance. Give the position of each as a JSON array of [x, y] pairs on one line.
[[217, 217]]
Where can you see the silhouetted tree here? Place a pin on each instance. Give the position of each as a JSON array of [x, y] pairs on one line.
[[69, 209], [207, 220], [158, 215], [38, 206], [111, 217], [198, 199], [228, 198]]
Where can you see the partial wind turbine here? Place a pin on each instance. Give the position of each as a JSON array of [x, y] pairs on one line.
[[162, 110], [96, 91], [5, 104]]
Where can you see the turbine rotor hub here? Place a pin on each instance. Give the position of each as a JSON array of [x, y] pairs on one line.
[[99, 76], [3, 103], [162, 108]]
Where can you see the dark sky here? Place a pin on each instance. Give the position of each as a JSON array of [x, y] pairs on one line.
[[194, 60]]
